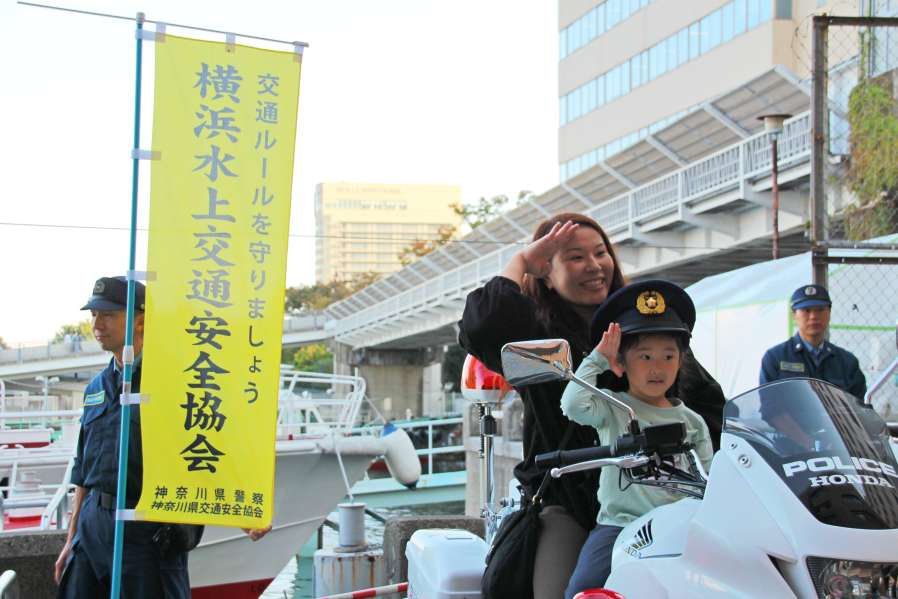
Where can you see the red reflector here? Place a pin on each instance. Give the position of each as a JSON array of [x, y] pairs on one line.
[[598, 594]]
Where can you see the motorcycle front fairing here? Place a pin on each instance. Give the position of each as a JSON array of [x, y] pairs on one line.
[[805, 481]]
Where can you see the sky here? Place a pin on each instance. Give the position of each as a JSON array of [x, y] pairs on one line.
[[459, 92]]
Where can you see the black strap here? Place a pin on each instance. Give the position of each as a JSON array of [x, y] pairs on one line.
[[537, 497], [106, 500]]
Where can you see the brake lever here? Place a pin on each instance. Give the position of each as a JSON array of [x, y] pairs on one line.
[[627, 461]]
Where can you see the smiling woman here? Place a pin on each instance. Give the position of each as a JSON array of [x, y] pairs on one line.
[[551, 289]]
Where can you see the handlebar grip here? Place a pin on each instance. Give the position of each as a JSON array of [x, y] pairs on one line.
[[551, 459]]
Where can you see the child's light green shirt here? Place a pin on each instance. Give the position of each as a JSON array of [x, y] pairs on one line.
[[619, 508]]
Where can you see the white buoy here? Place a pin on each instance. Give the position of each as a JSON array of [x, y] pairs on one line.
[[351, 521], [400, 456]]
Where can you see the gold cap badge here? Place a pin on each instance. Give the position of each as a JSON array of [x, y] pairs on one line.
[[650, 302]]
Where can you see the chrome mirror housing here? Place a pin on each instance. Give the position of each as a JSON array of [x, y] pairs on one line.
[[532, 362]]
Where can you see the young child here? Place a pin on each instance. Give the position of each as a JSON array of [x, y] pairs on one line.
[[645, 328]]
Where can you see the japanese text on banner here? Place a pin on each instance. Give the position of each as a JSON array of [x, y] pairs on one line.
[[224, 124]]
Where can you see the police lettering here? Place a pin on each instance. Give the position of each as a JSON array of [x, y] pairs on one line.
[[827, 464]]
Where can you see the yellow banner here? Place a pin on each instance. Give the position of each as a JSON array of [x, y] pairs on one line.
[[224, 125]]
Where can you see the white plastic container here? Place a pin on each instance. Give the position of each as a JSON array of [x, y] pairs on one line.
[[444, 564]]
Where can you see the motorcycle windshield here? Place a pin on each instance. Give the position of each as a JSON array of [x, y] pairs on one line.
[[832, 451]]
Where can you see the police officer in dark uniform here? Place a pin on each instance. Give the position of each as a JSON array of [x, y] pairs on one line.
[[808, 353], [150, 569]]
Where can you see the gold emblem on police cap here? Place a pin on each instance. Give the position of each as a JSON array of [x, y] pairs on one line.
[[650, 302]]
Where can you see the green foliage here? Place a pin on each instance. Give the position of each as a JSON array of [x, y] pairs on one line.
[[873, 174], [422, 247], [83, 328], [487, 209], [314, 358], [312, 298]]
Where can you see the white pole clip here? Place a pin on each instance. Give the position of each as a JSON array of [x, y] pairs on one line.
[[141, 275], [134, 399], [138, 154], [128, 515]]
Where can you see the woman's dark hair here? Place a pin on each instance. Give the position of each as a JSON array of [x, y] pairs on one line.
[[552, 309], [627, 342]]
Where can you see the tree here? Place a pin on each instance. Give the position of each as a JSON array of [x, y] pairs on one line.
[[314, 358], [422, 247], [487, 209], [3, 344], [317, 297], [83, 328], [312, 298]]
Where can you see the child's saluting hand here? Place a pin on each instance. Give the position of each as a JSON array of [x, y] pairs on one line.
[[609, 347]]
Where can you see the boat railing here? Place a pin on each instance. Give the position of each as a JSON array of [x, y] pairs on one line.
[[430, 449], [314, 411], [9, 585], [58, 505]]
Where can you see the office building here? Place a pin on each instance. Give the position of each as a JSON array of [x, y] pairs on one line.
[[363, 227], [628, 68]]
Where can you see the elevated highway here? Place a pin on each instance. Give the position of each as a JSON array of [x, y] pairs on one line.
[[687, 201]]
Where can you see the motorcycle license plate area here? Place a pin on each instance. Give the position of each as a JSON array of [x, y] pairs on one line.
[[832, 451]]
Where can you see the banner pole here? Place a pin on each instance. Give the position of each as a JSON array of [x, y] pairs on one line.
[[128, 353]]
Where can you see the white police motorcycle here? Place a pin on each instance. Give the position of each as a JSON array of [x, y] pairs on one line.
[[801, 500]]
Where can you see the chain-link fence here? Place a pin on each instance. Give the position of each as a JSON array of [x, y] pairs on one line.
[[864, 286], [853, 67]]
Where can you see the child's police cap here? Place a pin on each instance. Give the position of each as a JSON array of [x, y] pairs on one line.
[[111, 294], [653, 306], [809, 296]]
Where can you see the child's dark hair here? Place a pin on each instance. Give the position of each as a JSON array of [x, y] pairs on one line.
[[630, 341]]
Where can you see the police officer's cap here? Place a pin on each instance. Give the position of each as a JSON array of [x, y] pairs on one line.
[[809, 296], [653, 306], [111, 294]]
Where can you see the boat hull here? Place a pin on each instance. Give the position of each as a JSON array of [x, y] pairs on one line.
[[308, 485]]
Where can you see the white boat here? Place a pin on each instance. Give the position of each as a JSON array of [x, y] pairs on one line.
[[320, 455]]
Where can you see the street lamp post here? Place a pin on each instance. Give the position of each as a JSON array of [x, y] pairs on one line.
[[773, 125]]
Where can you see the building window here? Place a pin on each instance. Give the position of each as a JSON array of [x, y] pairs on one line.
[[595, 22], [722, 25]]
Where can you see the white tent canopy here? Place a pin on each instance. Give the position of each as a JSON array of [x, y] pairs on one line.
[[744, 312]]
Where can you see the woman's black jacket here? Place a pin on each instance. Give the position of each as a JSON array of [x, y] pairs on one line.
[[498, 313]]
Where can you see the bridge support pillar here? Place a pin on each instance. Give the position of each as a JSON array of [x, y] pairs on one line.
[[398, 380]]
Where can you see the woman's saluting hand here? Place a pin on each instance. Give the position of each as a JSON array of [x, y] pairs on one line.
[[536, 258]]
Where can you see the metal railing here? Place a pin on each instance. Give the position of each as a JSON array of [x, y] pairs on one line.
[[51, 351], [724, 170], [430, 450], [9, 585]]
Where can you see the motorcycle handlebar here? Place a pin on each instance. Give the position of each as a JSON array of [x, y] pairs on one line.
[[624, 445], [663, 438]]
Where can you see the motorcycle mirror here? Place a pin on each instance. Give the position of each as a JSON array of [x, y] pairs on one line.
[[531, 362]]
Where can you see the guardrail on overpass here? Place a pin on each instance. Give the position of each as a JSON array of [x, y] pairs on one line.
[[674, 198], [70, 357]]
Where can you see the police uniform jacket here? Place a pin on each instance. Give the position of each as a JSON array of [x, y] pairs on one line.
[[834, 365], [96, 458], [95, 468], [498, 313]]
